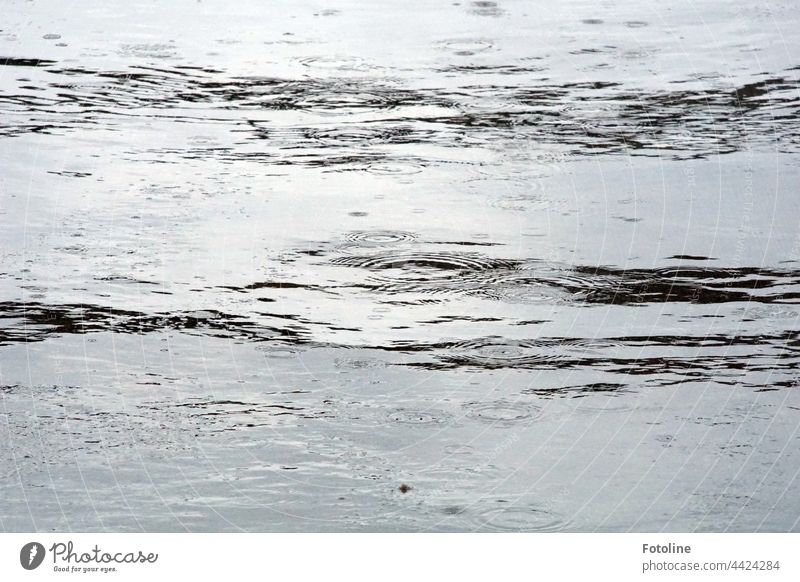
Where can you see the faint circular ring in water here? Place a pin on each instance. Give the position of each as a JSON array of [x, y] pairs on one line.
[[459, 450], [502, 412], [360, 363], [525, 518], [523, 292], [521, 202], [395, 168], [380, 237], [511, 193], [467, 46], [426, 266], [613, 404], [336, 63], [499, 352], [278, 352], [552, 283], [419, 417], [430, 273]]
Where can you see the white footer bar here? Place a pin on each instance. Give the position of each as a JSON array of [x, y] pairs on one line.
[[400, 557]]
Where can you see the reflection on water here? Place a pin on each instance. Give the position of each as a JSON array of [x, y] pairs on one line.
[[539, 263]]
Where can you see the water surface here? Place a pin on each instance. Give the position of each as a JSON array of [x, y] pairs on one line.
[[260, 266]]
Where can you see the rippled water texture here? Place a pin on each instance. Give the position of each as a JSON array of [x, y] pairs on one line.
[[262, 264]]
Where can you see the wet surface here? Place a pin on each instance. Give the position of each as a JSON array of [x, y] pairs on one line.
[[261, 267]]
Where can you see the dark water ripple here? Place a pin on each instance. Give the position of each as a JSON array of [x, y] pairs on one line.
[[422, 274], [723, 359], [656, 356], [586, 117], [33, 322], [505, 279]]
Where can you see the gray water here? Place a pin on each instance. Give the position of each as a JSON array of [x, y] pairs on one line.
[[263, 264]]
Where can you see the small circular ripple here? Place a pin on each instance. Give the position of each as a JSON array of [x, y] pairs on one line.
[[590, 346], [359, 363], [404, 167], [498, 352], [380, 237], [520, 202], [336, 63], [278, 352], [511, 193], [549, 284], [343, 101], [431, 273], [507, 292], [419, 417], [502, 412], [526, 518], [424, 266], [612, 404], [521, 287], [459, 450], [466, 46]]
